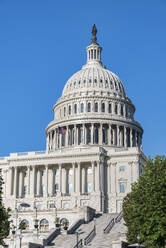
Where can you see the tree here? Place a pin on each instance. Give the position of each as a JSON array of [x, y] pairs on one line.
[[4, 216], [144, 208]]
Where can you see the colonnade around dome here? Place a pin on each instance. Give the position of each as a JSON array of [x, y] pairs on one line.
[[94, 134]]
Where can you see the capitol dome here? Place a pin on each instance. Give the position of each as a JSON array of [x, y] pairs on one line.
[[94, 108]]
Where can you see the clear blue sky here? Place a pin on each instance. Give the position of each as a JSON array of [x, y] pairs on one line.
[[42, 43]]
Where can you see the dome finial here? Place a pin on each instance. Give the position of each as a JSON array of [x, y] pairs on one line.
[[94, 32]]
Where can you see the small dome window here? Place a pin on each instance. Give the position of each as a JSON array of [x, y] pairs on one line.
[[90, 80], [101, 80], [74, 83], [79, 82], [121, 109], [95, 80], [64, 110], [89, 107], [84, 81], [75, 108], [116, 108], [82, 107], [96, 106], [69, 109], [70, 84], [109, 108], [103, 107]]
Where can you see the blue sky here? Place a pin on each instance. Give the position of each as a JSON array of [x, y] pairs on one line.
[[42, 43]]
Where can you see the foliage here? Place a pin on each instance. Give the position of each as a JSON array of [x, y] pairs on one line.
[[4, 216], [22, 225], [144, 209]]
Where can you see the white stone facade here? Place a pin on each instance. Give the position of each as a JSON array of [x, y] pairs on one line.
[[93, 152]]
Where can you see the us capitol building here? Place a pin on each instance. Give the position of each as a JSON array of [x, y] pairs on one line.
[[93, 152]]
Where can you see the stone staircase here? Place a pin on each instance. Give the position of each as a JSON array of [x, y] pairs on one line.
[[100, 240]]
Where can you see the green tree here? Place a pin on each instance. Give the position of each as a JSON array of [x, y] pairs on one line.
[[144, 208], [4, 216]]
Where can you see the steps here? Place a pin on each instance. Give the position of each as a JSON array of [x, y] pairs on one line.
[[100, 240]]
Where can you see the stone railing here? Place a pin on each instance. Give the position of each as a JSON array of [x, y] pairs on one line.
[[119, 217], [90, 236], [79, 244], [110, 225], [75, 225], [51, 237]]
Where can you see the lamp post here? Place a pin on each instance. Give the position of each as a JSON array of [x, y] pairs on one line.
[[138, 239], [77, 238], [36, 222]]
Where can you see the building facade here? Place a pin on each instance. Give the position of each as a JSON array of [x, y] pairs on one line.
[[93, 151]]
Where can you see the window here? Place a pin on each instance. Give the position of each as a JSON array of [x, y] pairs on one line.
[[63, 139], [103, 135], [64, 111], [25, 190], [103, 107], [96, 106], [65, 205], [122, 187], [89, 107], [75, 108], [70, 137], [122, 168], [121, 109], [89, 170], [44, 224], [24, 224], [116, 108], [90, 187], [96, 138], [56, 187], [88, 135], [109, 108], [69, 109], [52, 205], [82, 107], [70, 188], [80, 136]]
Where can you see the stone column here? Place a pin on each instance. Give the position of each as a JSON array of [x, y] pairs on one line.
[[33, 184], [131, 142], [67, 136], [60, 178], [85, 136], [79, 178], [108, 179], [98, 176], [92, 133], [53, 182], [113, 178], [75, 135], [28, 185], [38, 182], [118, 143], [15, 182], [46, 181], [73, 178], [54, 141], [125, 141], [21, 184], [84, 131], [109, 134], [83, 180], [47, 144], [100, 134], [93, 175], [9, 182]]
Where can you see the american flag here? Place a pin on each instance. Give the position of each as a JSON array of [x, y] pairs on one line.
[[61, 130]]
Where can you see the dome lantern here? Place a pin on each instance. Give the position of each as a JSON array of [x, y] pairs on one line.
[[94, 50]]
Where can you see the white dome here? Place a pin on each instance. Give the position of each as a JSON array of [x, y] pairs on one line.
[[94, 77]]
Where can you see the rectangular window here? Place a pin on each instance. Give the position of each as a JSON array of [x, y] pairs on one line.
[[109, 108], [82, 107], [122, 187]]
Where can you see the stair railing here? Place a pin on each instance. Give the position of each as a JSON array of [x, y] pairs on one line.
[[90, 236], [51, 237], [110, 225], [79, 244], [119, 217]]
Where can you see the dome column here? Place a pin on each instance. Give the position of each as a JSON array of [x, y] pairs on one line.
[[93, 175], [131, 134], [67, 136], [118, 130], [15, 181], [125, 141], [100, 133], [73, 178], [78, 177], [92, 133]]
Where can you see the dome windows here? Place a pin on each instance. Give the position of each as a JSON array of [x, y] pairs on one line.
[[69, 109], [89, 107], [109, 108], [103, 107], [116, 108], [96, 106], [82, 107], [75, 108]]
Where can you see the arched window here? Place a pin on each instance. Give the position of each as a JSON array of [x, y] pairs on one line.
[[96, 106], [75, 108], [109, 108], [64, 110], [121, 109], [103, 107], [64, 221], [82, 107], [69, 109], [44, 224], [116, 108], [24, 225], [89, 107]]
